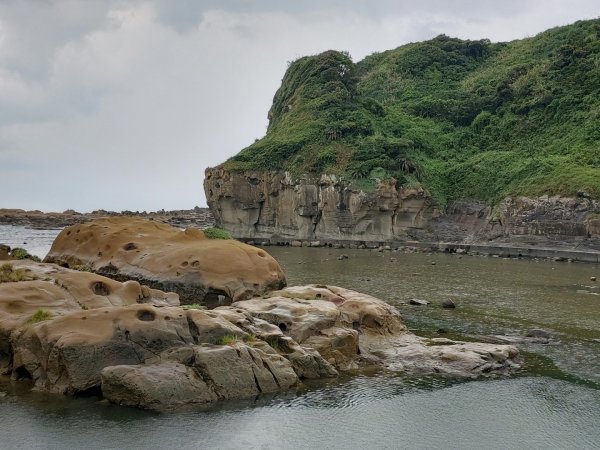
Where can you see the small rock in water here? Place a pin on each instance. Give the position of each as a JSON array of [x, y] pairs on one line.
[[392, 259], [341, 257], [448, 304], [442, 331], [418, 302], [3, 394], [433, 263], [538, 333], [592, 278]]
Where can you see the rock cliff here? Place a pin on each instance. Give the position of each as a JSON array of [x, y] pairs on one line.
[[199, 269], [268, 204], [271, 205]]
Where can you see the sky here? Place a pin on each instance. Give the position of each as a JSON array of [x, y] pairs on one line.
[[122, 104]]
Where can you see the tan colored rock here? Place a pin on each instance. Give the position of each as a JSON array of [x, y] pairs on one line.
[[197, 268], [58, 291], [67, 353], [352, 330]]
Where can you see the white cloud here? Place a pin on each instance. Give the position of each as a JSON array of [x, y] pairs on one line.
[[123, 104]]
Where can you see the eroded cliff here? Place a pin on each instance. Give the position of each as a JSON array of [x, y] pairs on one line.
[[271, 205], [257, 204]]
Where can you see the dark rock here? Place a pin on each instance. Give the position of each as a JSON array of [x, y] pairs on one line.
[[448, 304], [538, 333]]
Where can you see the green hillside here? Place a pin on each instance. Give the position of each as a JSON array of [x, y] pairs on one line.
[[460, 118]]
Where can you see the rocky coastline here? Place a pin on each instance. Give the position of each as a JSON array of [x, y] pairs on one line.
[[68, 329], [273, 208], [196, 217]]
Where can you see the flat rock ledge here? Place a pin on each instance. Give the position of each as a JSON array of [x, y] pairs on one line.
[[200, 270], [71, 332]]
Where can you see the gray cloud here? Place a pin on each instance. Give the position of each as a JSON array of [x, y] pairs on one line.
[[122, 104]]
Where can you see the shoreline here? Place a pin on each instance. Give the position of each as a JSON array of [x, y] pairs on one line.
[[502, 250], [566, 250]]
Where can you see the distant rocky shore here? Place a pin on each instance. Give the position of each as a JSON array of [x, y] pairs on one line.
[[196, 217]]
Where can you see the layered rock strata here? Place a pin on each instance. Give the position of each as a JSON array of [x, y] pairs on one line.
[[271, 205], [267, 204], [200, 270]]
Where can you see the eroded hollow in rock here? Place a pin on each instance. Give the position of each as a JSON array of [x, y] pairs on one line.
[[213, 299], [129, 246], [146, 315], [99, 288], [21, 373]]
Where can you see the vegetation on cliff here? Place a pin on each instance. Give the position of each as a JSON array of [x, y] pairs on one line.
[[461, 118]]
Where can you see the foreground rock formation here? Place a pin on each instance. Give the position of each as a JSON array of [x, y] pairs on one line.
[[271, 205], [200, 270], [75, 333]]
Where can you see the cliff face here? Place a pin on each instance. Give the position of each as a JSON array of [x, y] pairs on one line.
[[257, 204], [269, 205]]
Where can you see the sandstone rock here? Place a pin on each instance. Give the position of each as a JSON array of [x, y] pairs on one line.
[[165, 356], [67, 353], [56, 291], [198, 269], [165, 385], [262, 204], [210, 373], [413, 355]]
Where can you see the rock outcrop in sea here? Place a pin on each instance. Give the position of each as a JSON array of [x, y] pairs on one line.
[[77, 332]]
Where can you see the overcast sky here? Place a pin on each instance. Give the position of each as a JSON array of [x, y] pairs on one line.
[[123, 104]]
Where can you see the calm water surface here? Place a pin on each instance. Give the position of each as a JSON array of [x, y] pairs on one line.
[[553, 403]]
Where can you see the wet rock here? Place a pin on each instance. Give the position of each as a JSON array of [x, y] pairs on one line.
[[448, 304], [342, 257], [538, 335], [592, 278], [196, 375]]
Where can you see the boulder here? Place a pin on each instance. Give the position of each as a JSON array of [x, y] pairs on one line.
[[66, 354], [49, 291], [351, 330], [448, 304], [200, 270], [198, 374], [418, 302]]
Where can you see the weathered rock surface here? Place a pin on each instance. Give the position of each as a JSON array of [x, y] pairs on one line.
[[66, 354], [198, 269], [270, 205], [266, 204], [198, 374], [367, 332], [549, 220], [127, 341], [57, 291]]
